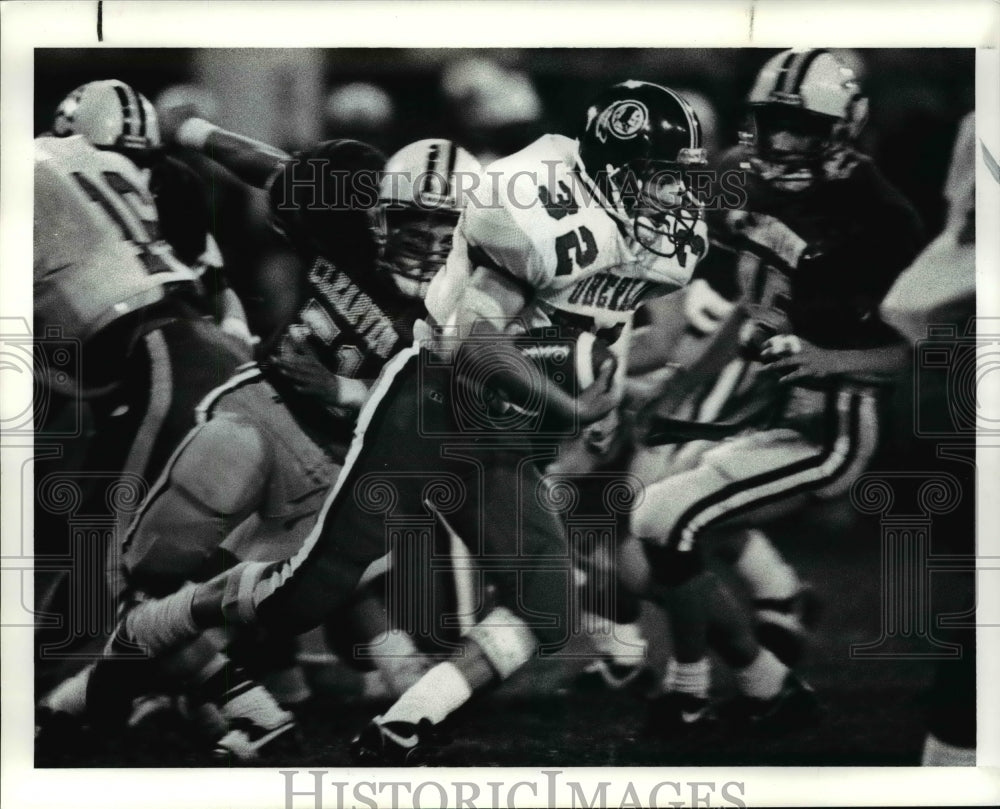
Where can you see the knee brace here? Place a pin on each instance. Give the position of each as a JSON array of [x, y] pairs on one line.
[[506, 641]]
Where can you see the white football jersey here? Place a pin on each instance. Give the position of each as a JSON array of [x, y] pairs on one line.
[[539, 221], [97, 250]]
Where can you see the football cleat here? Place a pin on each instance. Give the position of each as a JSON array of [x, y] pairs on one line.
[[784, 625], [604, 674], [255, 722], [795, 707], [674, 713], [395, 744]]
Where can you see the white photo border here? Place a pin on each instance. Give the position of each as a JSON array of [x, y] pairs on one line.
[[682, 23]]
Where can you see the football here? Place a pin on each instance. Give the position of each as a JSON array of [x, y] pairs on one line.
[[572, 359]]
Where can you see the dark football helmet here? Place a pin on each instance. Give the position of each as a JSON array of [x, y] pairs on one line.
[[639, 144], [326, 200]]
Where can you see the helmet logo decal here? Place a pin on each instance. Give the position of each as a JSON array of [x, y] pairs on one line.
[[65, 113], [624, 119]]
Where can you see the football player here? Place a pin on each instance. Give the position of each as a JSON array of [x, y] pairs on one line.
[[573, 233], [248, 481], [812, 252], [96, 112], [105, 277]]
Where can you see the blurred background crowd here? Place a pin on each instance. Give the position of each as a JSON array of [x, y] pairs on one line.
[[493, 102]]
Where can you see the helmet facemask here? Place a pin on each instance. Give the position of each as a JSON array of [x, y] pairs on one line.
[[417, 246], [656, 196], [794, 149]]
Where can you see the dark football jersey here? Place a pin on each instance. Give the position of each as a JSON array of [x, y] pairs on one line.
[[352, 322], [860, 234]]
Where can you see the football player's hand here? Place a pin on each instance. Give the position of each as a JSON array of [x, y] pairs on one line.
[[600, 398], [779, 346], [599, 435], [237, 327], [794, 360], [704, 308], [171, 118]]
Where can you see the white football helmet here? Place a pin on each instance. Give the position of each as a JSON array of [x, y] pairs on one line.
[[806, 109], [109, 114], [423, 192]]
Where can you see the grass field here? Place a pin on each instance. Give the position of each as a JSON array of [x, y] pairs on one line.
[[872, 716]]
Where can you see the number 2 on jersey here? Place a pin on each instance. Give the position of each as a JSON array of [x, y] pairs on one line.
[[578, 244]]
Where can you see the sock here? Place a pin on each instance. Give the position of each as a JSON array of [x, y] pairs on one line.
[[764, 570], [623, 643], [763, 678], [440, 692], [941, 754], [70, 696], [399, 662], [688, 678], [161, 623]]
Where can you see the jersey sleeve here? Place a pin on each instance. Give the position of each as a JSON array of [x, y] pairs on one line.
[[498, 240]]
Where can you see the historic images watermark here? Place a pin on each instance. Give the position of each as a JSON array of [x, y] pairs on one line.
[[311, 184], [313, 789]]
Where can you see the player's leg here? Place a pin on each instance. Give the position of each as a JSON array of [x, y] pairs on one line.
[[289, 596], [610, 614], [296, 594], [527, 542], [381, 630], [785, 608], [672, 518]]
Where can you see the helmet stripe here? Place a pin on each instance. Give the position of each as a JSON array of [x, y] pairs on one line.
[[802, 68], [128, 117], [432, 158], [449, 175], [784, 72], [138, 113], [142, 114]]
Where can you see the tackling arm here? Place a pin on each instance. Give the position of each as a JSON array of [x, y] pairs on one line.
[[251, 160]]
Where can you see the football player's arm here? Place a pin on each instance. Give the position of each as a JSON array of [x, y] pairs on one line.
[[251, 160], [794, 360], [311, 378], [233, 317], [486, 321]]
